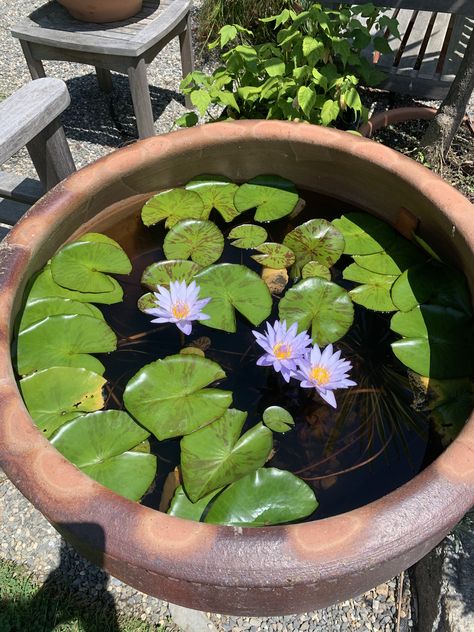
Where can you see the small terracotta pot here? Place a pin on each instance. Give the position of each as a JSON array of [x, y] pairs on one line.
[[397, 115], [102, 10]]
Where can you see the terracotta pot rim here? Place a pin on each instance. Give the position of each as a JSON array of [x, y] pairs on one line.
[[308, 550], [394, 116]]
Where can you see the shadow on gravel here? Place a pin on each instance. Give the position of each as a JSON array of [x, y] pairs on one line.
[[108, 119], [75, 592]]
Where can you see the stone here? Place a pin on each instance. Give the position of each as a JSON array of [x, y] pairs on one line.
[[190, 620]]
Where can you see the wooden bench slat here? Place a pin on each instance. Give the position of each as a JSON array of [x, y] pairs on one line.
[[415, 40], [15, 187], [11, 211], [459, 7], [435, 44], [462, 30]]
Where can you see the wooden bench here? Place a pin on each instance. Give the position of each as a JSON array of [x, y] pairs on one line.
[[434, 36], [31, 117]]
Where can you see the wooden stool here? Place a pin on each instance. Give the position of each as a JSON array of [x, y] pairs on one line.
[[128, 46]]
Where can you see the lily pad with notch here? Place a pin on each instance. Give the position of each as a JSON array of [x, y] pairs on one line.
[[169, 397], [315, 269], [265, 497], [38, 309], [163, 272], [374, 291], [278, 419], [364, 234], [322, 305], [217, 455], [215, 192], [247, 236], [273, 197], [182, 507], [173, 205], [101, 444], [199, 239], [233, 287], [276, 256], [397, 258], [57, 395]]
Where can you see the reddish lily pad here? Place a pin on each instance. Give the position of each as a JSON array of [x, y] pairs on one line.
[[276, 256]]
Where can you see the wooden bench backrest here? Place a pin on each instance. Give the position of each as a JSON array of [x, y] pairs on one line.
[[459, 7]]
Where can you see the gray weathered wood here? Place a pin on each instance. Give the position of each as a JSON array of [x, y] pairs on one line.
[[104, 79], [51, 155], [11, 212], [4, 230], [15, 187], [459, 7], [141, 99], [187, 59]]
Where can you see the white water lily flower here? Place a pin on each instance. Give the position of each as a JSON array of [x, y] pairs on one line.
[[179, 305]]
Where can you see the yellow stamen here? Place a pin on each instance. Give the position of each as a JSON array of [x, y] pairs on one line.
[[180, 310], [282, 351], [320, 375]]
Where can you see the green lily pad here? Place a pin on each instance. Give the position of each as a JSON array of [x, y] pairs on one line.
[[364, 234], [233, 287], [437, 341], [318, 303], [147, 301], [199, 239], [163, 272], [217, 455], [315, 240], [169, 397], [215, 192], [272, 197], [99, 444], [278, 419], [64, 341], [182, 507], [174, 205], [40, 308], [426, 247], [247, 236], [398, 257], [374, 293], [57, 395], [80, 266], [265, 497], [275, 256], [315, 269], [450, 404], [432, 282], [44, 287]]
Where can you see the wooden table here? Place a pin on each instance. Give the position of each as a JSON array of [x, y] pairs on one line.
[[128, 46]]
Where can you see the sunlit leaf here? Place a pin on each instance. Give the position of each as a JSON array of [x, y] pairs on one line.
[[217, 455], [57, 395], [321, 305], [199, 239], [37, 309], [147, 301], [64, 341], [233, 287], [169, 397], [275, 256], [278, 419], [173, 205], [265, 497], [163, 272], [426, 247], [364, 234], [272, 197], [374, 293], [397, 258], [215, 192], [182, 507], [99, 444], [247, 236], [315, 269], [315, 240]]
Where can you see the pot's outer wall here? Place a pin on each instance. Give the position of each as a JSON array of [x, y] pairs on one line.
[[268, 571]]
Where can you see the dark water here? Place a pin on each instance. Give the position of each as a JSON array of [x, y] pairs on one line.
[[373, 443]]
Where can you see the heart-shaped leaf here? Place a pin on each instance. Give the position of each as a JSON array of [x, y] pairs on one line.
[[272, 197], [265, 497], [398, 257], [215, 192], [247, 236], [215, 455], [40, 308], [80, 266], [169, 397], [315, 240], [57, 395], [163, 272], [318, 303], [174, 205], [315, 269], [44, 287], [99, 444], [64, 341], [275, 256], [233, 286], [374, 293], [364, 234], [182, 507], [437, 342], [199, 239], [278, 419]]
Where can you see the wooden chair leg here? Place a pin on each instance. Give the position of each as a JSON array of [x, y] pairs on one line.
[[35, 66], [104, 79], [141, 99], [187, 56], [51, 155]]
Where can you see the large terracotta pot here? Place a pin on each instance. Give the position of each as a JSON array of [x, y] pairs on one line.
[[264, 571], [101, 11]]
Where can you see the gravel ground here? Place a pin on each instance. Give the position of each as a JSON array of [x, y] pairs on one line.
[[96, 124]]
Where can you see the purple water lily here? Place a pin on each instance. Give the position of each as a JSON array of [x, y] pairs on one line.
[[179, 305], [325, 372], [283, 348]]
